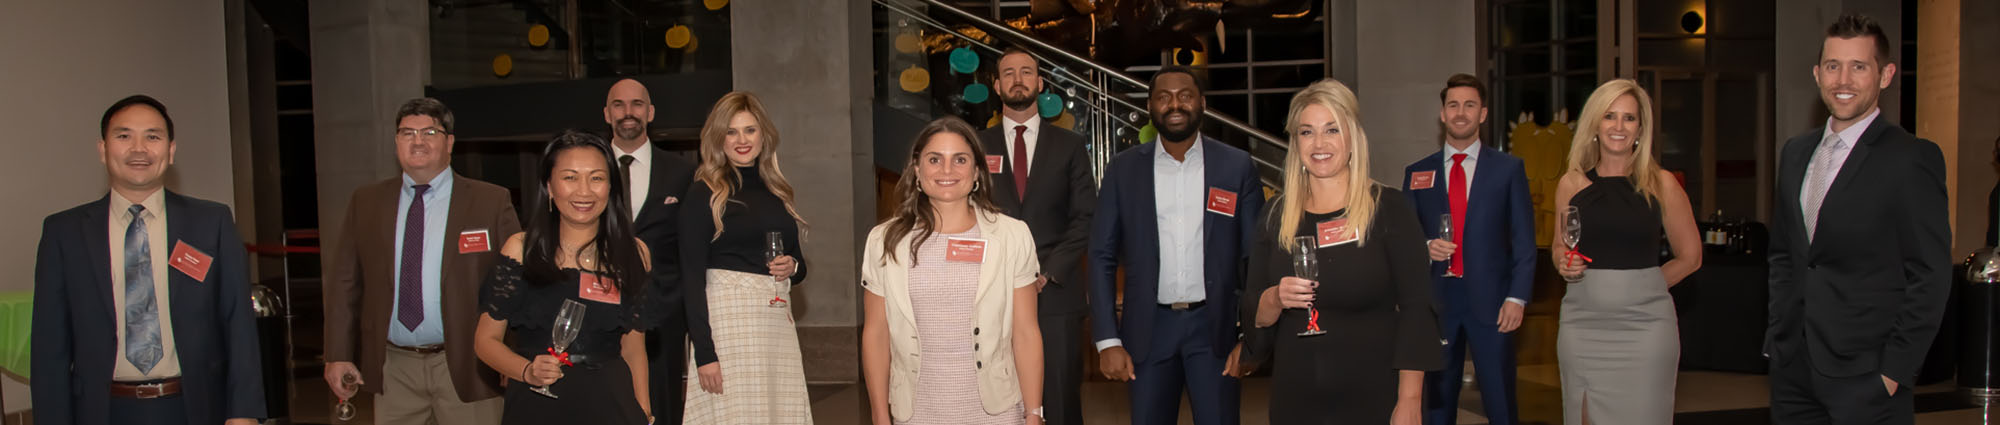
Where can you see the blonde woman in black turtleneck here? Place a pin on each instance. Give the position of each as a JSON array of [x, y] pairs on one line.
[[746, 360]]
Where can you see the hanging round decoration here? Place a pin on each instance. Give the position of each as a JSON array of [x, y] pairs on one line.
[[1147, 133], [714, 4], [1050, 104], [503, 65], [976, 93], [678, 36], [915, 79], [538, 35], [908, 42], [964, 61], [1066, 121]]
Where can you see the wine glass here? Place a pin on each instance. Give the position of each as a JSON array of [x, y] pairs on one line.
[[1444, 233], [568, 322], [1572, 233], [344, 410], [774, 247], [1305, 265]]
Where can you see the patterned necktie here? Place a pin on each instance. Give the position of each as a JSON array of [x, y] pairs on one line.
[[1456, 191], [142, 312], [1822, 172], [1020, 163], [410, 285]]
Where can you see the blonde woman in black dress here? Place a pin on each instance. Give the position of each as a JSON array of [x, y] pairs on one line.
[[1619, 339], [1373, 295]]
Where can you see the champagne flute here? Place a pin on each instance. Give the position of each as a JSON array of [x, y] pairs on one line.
[[1305, 265], [774, 247], [1572, 233], [1444, 233], [568, 322], [344, 410]]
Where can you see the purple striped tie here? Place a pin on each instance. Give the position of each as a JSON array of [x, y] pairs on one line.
[[410, 285]]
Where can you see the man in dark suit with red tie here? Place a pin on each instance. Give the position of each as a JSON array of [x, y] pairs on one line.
[[1484, 275], [142, 298], [1043, 178], [1860, 248], [657, 180]]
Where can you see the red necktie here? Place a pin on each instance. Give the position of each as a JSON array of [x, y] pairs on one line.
[[1456, 191], [1020, 163]]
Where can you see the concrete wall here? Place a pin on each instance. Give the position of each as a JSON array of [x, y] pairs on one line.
[[369, 56], [1398, 87], [56, 93], [813, 79]]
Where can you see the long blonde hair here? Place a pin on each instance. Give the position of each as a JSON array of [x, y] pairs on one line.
[[720, 176], [1585, 151], [1362, 190]]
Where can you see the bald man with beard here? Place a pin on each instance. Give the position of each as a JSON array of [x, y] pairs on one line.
[[657, 181]]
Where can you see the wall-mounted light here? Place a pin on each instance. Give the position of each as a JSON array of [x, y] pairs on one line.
[[1692, 22]]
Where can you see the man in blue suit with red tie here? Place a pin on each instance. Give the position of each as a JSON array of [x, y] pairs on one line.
[[1485, 273], [1178, 214]]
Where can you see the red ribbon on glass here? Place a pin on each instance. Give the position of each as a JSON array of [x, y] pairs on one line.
[[1569, 259], [563, 356]]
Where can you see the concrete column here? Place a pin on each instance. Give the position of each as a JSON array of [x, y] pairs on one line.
[[1956, 112], [813, 78], [1399, 90], [369, 56]]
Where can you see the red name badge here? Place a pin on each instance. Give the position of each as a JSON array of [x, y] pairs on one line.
[[1334, 232], [995, 163], [1421, 180], [965, 250], [591, 286], [472, 241], [190, 261], [1222, 202]]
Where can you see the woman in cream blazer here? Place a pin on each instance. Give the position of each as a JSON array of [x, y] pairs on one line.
[[950, 335]]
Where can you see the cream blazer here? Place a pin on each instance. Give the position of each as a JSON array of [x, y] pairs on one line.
[[1009, 263]]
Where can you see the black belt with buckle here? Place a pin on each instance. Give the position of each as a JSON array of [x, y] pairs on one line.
[[421, 349], [1184, 306], [146, 389]]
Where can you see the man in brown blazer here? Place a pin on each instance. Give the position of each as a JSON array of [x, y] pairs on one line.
[[402, 286]]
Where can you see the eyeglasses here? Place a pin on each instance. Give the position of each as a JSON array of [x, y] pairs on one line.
[[427, 132]]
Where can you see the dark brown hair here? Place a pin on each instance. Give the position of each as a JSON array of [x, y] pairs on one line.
[[1463, 80], [916, 212], [1851, 25], [427, 107]]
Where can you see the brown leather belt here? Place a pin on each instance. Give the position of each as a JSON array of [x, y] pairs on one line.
[[421, 349], [147, 389], [1185, 306]]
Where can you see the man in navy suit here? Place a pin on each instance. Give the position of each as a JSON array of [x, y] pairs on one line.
[[1483, 288], [142, 298], [1178, 214]]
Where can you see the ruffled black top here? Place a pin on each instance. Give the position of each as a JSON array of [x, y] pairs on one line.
[[530, 309]]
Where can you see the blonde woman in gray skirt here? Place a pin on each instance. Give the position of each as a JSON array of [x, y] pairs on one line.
[[1619, 342]]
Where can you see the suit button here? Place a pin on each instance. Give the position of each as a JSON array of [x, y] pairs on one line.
[[975, 346], [978, 365], [975, 331]]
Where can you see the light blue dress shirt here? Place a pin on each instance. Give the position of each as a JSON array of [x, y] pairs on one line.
[[437, 206]]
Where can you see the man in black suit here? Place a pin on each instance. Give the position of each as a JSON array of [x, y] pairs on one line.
[[657, 180], [1041, 175], [1860, 267], [142, 298]]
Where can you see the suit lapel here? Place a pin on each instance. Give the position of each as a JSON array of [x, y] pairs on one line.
[[181, 286], [450, 262], [97, 240], [1791, 181], [656, 190], [1856, 158], [1004, 192], [1043, 162], [1433, 198], [1482, 187], [1149, 206]]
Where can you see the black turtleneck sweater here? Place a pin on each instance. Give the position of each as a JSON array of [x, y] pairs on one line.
[[752, 210]]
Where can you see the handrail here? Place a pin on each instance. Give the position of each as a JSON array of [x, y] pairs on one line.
[[1015, 35]]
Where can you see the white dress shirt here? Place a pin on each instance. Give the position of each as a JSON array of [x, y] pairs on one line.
[[642, 174], [1180, 196], [1007, 125]]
